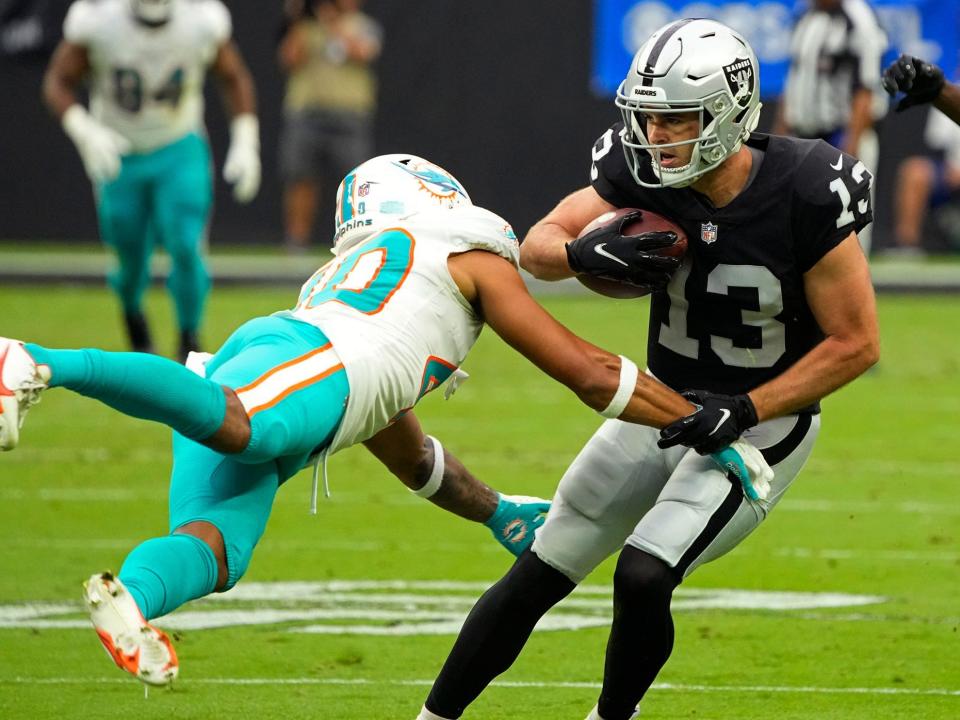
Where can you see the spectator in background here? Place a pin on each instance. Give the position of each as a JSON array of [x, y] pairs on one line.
[[833, 86], [924, 181], [327, 50]]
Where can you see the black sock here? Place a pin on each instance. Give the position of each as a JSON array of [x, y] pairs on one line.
[[495, 632], [641, 637], [138, 332]]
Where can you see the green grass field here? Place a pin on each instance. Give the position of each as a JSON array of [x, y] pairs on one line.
[[874, 519]]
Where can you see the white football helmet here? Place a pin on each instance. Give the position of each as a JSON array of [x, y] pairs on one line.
[[152, 12], [387, 188], [691, 65]]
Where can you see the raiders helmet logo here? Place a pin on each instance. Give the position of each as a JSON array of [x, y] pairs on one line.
[[741, 80]]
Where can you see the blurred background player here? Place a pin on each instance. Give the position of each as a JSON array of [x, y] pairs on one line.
[[327, 51], [924, 182], [922, 82], [143, 142], [833, 90]]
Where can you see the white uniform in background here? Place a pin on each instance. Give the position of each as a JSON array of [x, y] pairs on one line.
[[147, 82]]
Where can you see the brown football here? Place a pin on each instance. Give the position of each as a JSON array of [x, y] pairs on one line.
[[648, 223]]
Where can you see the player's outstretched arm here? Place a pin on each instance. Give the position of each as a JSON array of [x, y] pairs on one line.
[[242, 165], [600, 379], [948, 101], [430, 471], [543, 253], [99, 147], [68, 66], [921, 82]]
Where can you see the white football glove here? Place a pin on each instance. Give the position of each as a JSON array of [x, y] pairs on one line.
[[100, 147], [242, 166], [748, 465]]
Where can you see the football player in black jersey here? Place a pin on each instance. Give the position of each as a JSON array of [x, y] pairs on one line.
[[922, 82], [771, 309]]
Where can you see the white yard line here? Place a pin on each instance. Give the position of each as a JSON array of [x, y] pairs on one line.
[[370, 546], [547, 685], [127, 494]]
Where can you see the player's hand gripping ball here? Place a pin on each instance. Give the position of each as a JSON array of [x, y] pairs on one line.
[[627, 253]]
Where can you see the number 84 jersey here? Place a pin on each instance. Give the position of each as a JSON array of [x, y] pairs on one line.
[[147, 83], [735, 314]]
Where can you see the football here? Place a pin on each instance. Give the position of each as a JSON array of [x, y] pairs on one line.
[[648, 223]]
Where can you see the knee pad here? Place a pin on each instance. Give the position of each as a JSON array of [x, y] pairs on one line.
[[534, 584], [639, 574]]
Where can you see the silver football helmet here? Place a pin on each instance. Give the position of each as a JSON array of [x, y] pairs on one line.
[[152, 12], [380, 192], [691, 65]]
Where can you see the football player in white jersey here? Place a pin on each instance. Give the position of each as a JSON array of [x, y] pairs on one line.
[[143, 142], [417, 271]]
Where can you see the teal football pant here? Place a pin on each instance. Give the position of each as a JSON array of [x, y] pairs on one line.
[[162, 196], [294, 390]]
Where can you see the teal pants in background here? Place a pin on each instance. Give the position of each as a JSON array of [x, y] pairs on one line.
[[161, 198]]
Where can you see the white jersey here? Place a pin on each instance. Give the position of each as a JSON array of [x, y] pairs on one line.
[[394, 314], [147, 83]]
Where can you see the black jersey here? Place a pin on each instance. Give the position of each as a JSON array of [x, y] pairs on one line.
[[735, 314]]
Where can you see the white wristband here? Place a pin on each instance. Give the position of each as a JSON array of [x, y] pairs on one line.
[[245, 129], [436, 475], [628, 383], [75, 122]]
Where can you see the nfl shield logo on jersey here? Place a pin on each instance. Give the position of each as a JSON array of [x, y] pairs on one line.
[[708, 232]]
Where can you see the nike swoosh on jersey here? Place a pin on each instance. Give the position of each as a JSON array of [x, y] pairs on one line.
[[724, 414], [600, 251], [839, 163]]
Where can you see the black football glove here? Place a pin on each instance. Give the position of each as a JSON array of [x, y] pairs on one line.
[[718, 421], [920, 80], [607, 253]]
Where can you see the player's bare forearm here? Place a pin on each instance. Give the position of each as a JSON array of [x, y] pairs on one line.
[[948, 101], [840, 294], [460, 492], [66, 71], [543, 253], [409, 455], [828, 367], [493, 286], [235, 80]]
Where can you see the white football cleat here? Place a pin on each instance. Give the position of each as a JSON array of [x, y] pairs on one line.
[[21, 382], [131, 642]]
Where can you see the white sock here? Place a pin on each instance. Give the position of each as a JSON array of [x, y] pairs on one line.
[[427, 715]]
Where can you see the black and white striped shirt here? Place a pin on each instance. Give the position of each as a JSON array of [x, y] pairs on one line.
[[834, 53]]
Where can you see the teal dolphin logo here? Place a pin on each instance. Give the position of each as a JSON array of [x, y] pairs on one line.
[[434, 177]]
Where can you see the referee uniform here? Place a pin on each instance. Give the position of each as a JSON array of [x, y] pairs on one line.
[[836, 52]]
